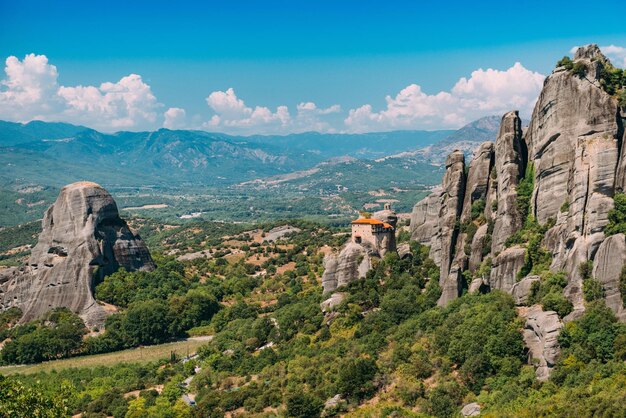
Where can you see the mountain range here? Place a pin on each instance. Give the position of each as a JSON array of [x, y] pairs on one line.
[[37, 158]]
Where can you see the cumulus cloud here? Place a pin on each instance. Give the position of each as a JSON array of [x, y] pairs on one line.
[[485, 92], [175, 118], [127, 104], [234, 116], [31, 91], [309, 117]]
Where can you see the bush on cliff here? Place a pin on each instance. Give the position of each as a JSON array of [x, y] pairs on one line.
[[617, 216]]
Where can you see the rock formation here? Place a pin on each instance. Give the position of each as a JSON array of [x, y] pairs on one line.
[[352, 263], [541, 334], [571, 152], [559, 177], [83, 239], [355, 258], [607, 268], [510, 158], [574, 142]]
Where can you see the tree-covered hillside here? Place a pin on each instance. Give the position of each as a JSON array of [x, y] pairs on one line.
[[386, 350]]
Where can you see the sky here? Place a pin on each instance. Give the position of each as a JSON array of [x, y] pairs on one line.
[[279, 67]]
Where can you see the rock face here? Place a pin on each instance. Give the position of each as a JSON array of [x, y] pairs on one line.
[[478, 178], [510, 159], [505, 268], [572, 154], [521, 289], [424, 226], [541, 337], [352, 263], [574, 143], [451, 207], [607, 268], [82, 239], [471, 410]]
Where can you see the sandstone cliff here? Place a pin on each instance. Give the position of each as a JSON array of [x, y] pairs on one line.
[[83, 238], [571, 155], [546, 189]]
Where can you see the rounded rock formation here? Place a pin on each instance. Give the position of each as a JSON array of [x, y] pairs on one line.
[[82, 240]]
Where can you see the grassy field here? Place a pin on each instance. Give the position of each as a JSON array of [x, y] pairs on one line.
[[135, 355]]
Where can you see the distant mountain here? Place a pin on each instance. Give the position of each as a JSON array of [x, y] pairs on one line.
[[38, 158], [12, 133], [466, 139], [170, 157]]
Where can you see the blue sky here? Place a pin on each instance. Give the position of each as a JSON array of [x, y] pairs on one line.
[[329, 57]]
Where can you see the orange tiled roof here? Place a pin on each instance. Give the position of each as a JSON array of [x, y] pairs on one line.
[[369, 221]]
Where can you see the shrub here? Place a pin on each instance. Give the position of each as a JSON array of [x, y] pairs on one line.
[[557, 302], [303, 405], [617, 216], [549, 293], [592, 290], [579, 69], [356, 378], [565, 62], [622, 284], [621, 98], [477, 209]]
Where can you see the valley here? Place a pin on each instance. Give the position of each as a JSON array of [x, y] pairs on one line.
[[223, 258]]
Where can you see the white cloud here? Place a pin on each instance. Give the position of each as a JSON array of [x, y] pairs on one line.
[[486, 92], [175, 118], [127, 104], [31, 91], [232, 115], [309, 117], [617, 54]]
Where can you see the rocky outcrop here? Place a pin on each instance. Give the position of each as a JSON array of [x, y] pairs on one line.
[[541, 334], [521, 290], [607, 269], [571, 114], [480, 241], [572, 155], [352, 263], [424, 226], [83, 239], [574, 142], [448, 232], [390, 217], [333, 301], [478, 178], [505, 268], [471, 410], [355, 258], [452, 204], [511, 156]]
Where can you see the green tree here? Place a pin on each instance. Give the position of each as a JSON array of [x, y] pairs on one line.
[[18, 401], [356, 377], [146, 322], [303, 405], [617, 216]]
